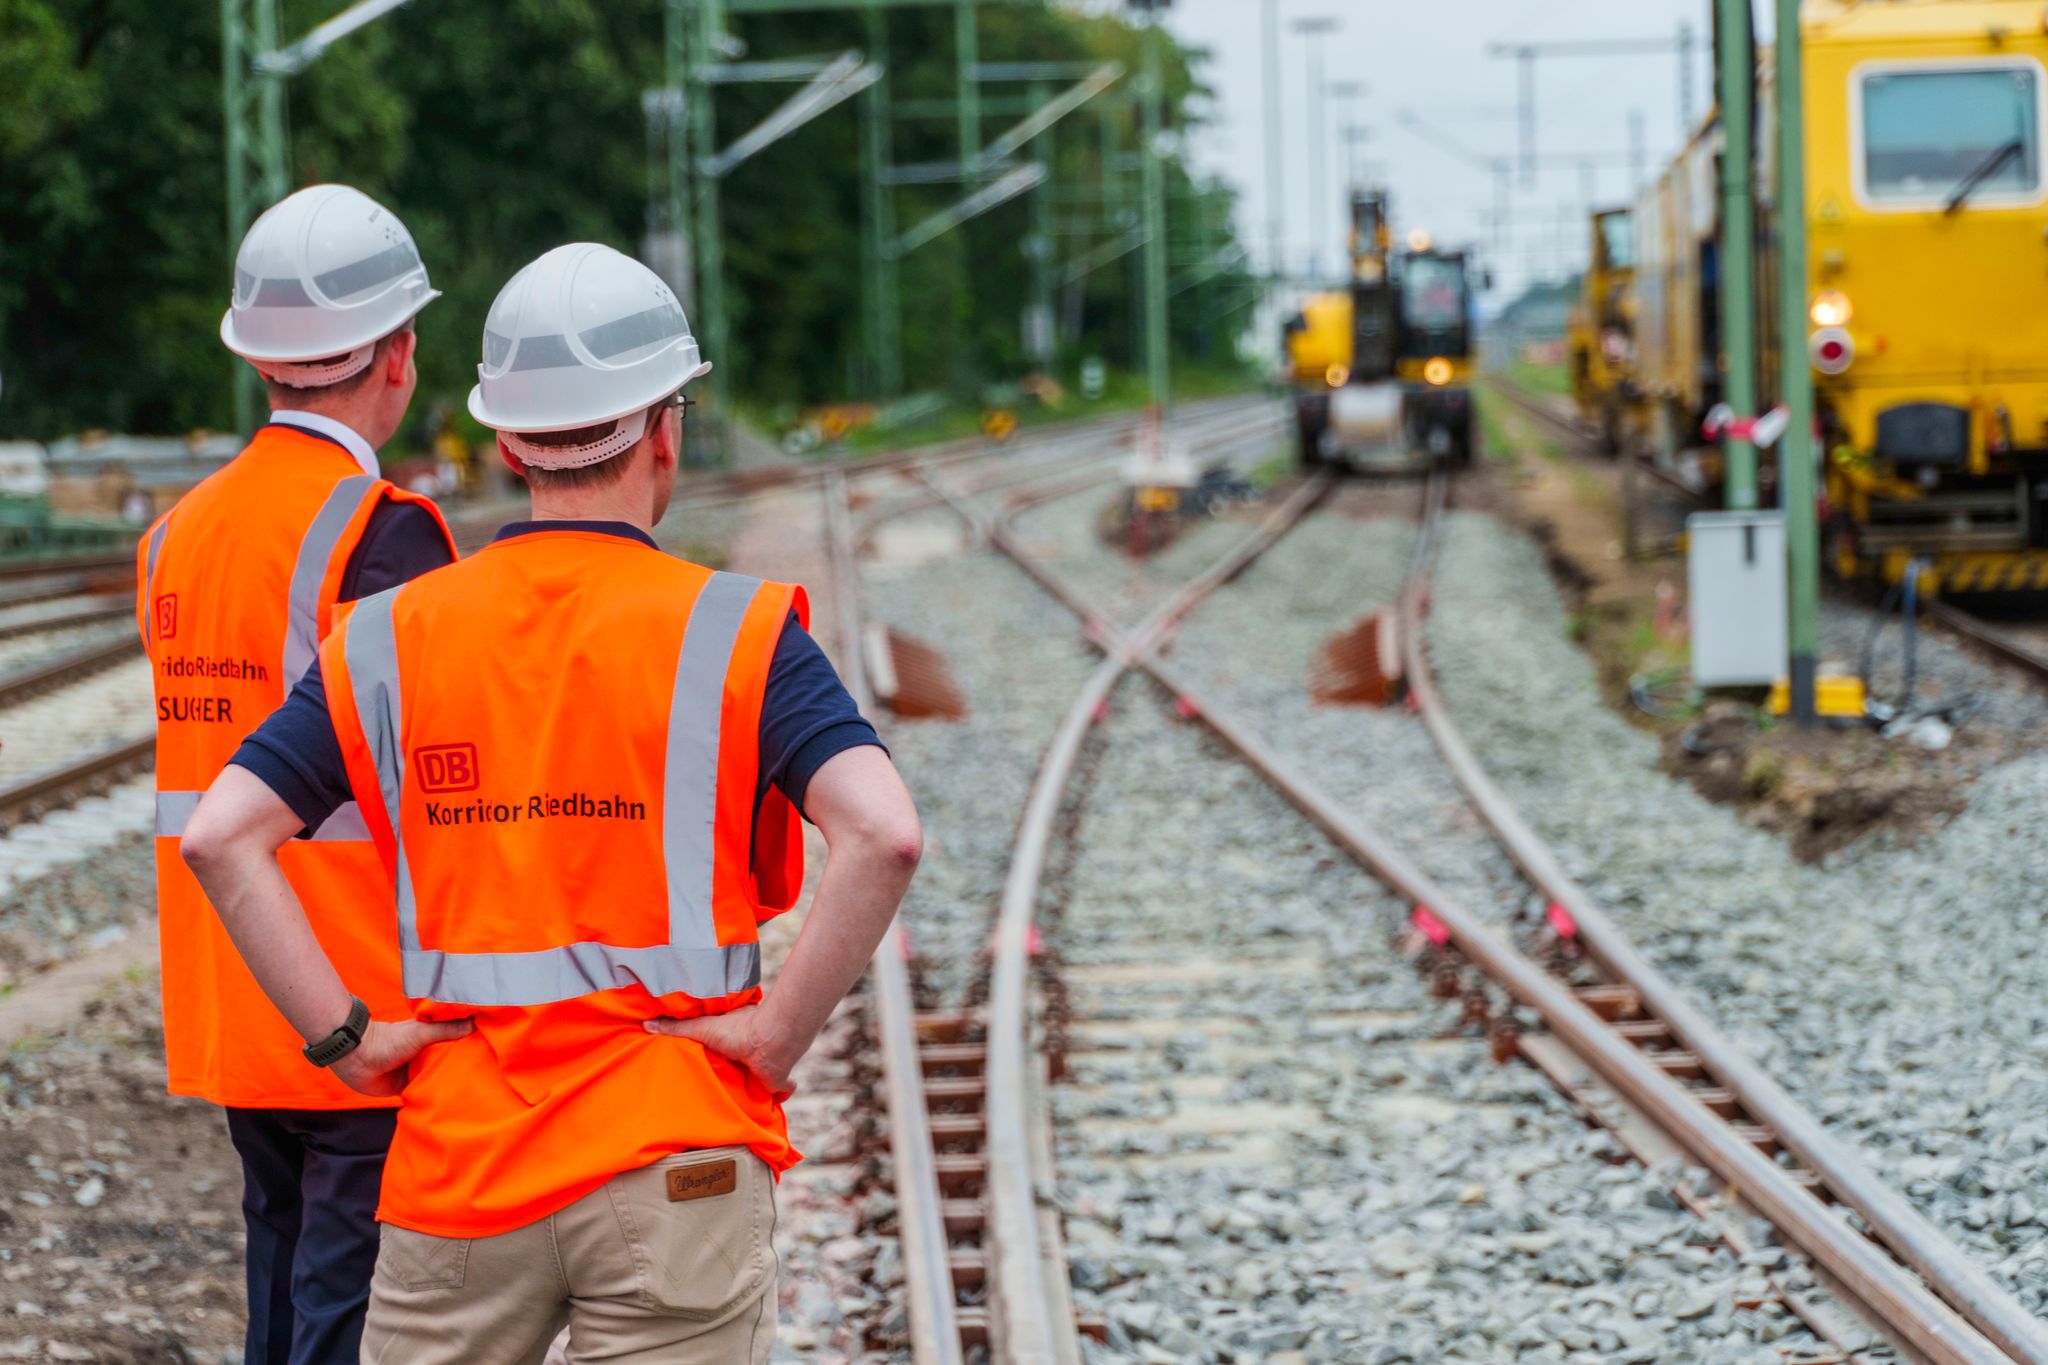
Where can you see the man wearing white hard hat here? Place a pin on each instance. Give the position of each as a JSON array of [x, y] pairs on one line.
[[237, 584], [585, 764]]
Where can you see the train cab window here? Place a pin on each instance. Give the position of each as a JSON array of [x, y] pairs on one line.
[[1433, 293], [1936, 136], [1617, 241]]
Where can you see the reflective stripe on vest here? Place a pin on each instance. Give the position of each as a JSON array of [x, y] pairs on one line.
[[692, 962], [174, 812], [302, 621], [156, 546]]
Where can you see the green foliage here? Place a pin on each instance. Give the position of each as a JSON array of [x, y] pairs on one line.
[[499, 128]]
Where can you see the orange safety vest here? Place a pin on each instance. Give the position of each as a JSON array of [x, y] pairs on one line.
[[236, 585], [556, 745]]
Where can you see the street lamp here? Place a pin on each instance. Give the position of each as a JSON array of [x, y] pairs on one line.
[[1355, 135], [1343, 92], [1312, 28]]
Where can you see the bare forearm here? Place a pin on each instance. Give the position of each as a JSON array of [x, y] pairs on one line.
[[231, 846], [856, 900], [270, 930]]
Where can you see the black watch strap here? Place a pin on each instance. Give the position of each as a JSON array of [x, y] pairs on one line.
[[343, 1040]]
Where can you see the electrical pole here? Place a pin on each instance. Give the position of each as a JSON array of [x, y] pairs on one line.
[[1525, 101], [1313, 29], [878, 223], [254, 68], [1795, 450], [1737, 76], [252, 107], [1152, 92], [1685, 115], [710, 252], [1038, 246], [1638, 153], [1276, 266], [966, 50]]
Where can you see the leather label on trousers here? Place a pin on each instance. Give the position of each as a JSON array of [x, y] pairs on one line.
[[701, 1182]]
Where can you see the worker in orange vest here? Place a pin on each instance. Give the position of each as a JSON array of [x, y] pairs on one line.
[[583, 762], [237, 584]]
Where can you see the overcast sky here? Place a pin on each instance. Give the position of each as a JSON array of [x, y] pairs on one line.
[[1426, 61]]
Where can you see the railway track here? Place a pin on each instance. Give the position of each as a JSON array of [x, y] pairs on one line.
[[1614, 1022], [943, 1080], [29, 798]]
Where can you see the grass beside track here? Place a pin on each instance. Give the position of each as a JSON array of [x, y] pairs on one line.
[[1529, 376], [1122, 392]]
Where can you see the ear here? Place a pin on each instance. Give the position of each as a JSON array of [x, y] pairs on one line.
[[668, 434], [398, 357]]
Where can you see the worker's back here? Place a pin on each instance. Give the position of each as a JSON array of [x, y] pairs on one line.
[[236, 584], [566, 727]]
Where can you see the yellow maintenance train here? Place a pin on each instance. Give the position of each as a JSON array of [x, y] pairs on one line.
[[1927, 221], [1601, 334]]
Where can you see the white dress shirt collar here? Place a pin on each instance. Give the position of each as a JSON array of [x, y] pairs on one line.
[[341, 433]]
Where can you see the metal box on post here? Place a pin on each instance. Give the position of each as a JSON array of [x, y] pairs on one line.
[[1735, 580]]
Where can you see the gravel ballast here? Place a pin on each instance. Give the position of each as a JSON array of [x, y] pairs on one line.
[[1270, 1148], [1899, 993]]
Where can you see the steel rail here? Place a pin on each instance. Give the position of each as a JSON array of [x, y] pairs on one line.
[[920, 1220], [29, 568], [1530, 405], [71, 585], [1096, 473], [46, 789], [1045, 462], [2001, 643], [85, 616], [23, 683], [1027, 1329], [1894, 1297], [1915, 1240]]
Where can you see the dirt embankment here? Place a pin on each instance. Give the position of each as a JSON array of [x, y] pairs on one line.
[[1822, 790]]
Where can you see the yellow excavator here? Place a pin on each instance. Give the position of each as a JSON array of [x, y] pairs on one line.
[[1382, 371]]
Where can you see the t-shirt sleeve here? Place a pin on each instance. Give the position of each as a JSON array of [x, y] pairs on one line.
[[401, 542], [296, 754], [807, 715]]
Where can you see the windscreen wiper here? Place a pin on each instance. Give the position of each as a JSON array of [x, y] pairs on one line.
[[1986, 168]]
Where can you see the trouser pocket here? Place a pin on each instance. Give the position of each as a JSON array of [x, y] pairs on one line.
[[701, 1229], [417, 1261]]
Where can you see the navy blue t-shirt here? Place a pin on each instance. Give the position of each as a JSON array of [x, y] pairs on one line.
[[807, 715]]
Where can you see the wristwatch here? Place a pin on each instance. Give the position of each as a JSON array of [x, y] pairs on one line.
[[343, 1040]]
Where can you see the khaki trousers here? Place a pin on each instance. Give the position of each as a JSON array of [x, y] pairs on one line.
[[674, 1262]]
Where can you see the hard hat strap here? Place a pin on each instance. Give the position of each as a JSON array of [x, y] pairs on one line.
[[318, 374], [629, 429]]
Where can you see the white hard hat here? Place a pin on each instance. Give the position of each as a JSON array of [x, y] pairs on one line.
[[325, 273], [583, 336]]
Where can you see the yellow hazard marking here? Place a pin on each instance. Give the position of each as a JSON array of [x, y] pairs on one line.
[[1830, 213], [999, 423]]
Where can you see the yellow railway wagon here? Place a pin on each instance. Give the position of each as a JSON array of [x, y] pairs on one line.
[[1927, 290]]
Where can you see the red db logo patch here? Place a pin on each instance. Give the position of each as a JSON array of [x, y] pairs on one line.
[[446, 767], [167, 616]]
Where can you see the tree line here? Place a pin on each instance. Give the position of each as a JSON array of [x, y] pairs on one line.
[[498, 128]]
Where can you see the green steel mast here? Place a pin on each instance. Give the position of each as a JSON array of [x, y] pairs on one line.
[[1796, 463]]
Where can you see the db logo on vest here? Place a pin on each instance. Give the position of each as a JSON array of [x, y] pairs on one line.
[[167, 616], [446, 767]]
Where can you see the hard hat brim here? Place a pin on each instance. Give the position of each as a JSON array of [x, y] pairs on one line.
[[231, 339]]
